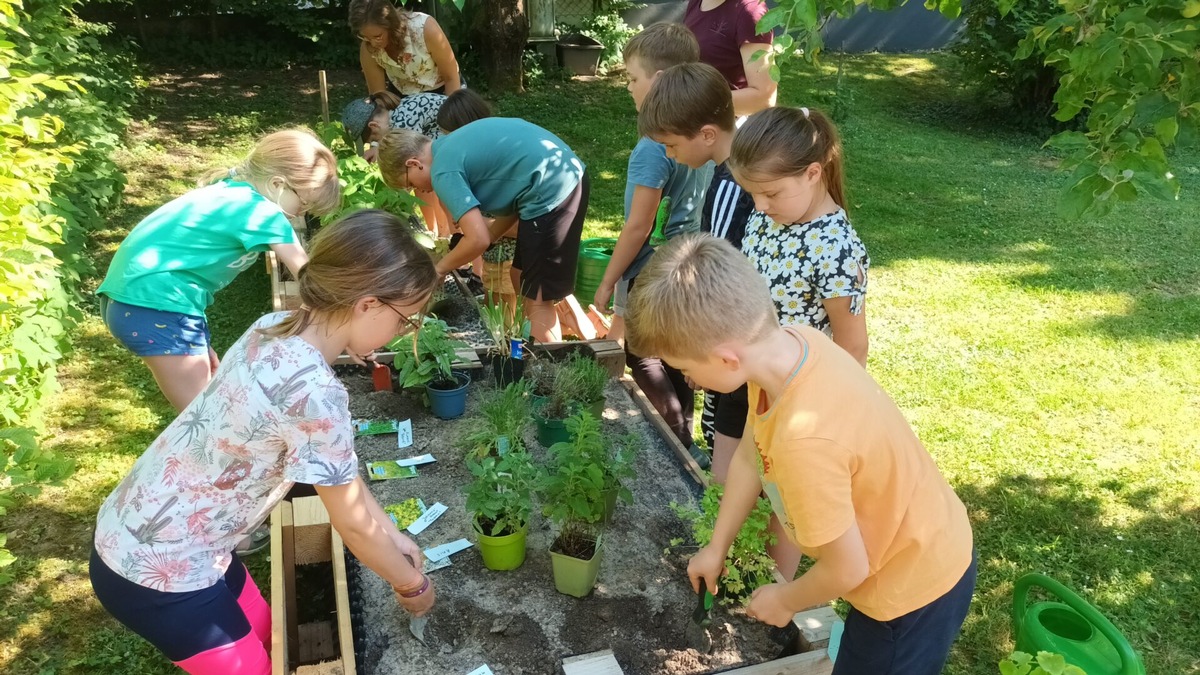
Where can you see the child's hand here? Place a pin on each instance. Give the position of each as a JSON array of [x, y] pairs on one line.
[[603, 293], [706, 566], [768, 604]]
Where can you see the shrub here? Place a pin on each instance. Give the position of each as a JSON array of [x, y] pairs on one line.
[[62, 112], [989, 54]]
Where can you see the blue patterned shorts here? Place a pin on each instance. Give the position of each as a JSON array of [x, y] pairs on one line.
[[151, 332]]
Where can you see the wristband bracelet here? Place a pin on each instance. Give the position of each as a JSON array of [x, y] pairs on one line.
[[412, 594]]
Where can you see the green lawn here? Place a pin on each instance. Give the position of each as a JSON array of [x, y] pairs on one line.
[[1050, 367]]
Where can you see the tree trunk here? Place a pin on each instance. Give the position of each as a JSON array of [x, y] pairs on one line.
[[505, 34]]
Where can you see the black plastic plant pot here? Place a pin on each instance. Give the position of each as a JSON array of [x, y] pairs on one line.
[[507, 370]]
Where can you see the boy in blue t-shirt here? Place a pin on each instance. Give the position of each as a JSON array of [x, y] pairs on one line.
[[691, 112], [654, 179]]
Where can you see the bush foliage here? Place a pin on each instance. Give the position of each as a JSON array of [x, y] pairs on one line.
[[989, 47], [63, 108]]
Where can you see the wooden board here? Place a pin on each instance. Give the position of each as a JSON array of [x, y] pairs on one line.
[[597, 663], [316, 641], [311, 531], [468, 359], [341, 592], [664, 431], [810, 663], [279, 591], [329, 668], [815, 626]]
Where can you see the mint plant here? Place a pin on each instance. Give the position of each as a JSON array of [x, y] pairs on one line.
[[501, 492]]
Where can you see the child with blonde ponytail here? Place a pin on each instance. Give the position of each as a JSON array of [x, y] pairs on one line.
[[165, 273], [274, 416]]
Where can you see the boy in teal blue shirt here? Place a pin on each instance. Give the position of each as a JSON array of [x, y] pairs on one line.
[[654, 178], [520, 174]]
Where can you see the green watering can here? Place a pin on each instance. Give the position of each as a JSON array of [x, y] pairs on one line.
[[1075, 629]]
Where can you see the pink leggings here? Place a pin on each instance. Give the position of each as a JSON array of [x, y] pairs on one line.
[[219, 630]]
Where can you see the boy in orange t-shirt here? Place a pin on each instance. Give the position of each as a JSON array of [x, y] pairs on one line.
[[847, 477]]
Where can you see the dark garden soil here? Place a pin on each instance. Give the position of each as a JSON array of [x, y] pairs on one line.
[[516, 622]]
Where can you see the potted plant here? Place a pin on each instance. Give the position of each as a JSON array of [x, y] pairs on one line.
[[504, 415], [509, 333], [618, 467], [550, 415], [586, 380], [425, 359], [500, 497], [572, 493]]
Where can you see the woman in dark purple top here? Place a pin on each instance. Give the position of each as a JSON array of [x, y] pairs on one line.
[[728, 40]]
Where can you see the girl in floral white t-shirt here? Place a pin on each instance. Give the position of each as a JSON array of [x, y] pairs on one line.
[[790, 161], [274, 415]]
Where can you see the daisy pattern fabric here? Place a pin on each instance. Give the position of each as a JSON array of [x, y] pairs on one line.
[[806, 263], [274, 415]]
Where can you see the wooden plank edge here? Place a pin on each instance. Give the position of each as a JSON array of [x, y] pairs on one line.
[[603, 662], [278, 593], [816, 625], [809, 663], [341, 592], [664, 431], [469, 359]]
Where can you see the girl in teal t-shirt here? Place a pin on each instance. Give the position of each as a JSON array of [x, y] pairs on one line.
[[165, 273]]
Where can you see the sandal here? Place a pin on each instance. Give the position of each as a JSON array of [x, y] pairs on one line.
[[256, 541]]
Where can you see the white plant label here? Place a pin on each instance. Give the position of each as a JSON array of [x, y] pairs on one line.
[[447, 550], [482, 670], [404, 437], [414, 461], [431, 565], [418, 526]]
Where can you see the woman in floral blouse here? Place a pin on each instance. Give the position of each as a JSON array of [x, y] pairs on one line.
[[402, 53]]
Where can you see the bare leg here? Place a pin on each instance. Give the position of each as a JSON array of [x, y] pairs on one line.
[[543, 319], [723, 450], [429, 214], [616, 331], [181, 378]]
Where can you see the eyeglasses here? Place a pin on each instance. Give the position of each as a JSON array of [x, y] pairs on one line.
[[304, 204], [407, 181], [413, 325]]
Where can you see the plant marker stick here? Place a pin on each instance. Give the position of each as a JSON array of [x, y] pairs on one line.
[[418, 526]]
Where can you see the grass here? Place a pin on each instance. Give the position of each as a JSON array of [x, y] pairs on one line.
[[1050, 367]]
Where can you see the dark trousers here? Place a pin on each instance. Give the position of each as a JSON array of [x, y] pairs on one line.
[[668, 393], [917, 643]]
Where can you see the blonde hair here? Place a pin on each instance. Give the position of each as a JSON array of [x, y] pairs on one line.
[[298, 157], [395, 148], [366, 253], [781, 142], [684, 99], [697, 292], [661, 46]]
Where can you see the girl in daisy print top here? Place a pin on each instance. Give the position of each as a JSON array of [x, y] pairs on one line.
[[790, 161], [163, 560]]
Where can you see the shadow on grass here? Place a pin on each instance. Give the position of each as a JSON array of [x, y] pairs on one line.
[[1135, 573]]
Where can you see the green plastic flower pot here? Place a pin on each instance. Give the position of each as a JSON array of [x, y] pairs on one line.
[[573, 576], [610, 503], [597, 408], [506, 552], [551, 431]]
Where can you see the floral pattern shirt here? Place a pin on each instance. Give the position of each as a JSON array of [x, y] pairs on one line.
[[806, 263], [414, 72], [274, 414]]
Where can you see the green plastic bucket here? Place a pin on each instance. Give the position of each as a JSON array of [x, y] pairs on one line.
[[594, 255]]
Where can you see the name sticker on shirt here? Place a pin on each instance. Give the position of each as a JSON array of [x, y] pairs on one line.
[[446, 550], [418, 526]]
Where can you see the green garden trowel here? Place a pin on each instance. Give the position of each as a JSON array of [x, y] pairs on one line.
[[697, 629]]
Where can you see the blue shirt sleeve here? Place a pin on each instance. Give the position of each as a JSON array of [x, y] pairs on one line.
[[649, 165], [454, 191]]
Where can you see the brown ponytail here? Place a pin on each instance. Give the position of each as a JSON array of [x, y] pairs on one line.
[[367, 253], [779, 142]]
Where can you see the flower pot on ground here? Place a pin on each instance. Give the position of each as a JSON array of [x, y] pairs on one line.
[[500, 495], [425, 359], [572, 493], [579, 54], [448, 398], [584, 380], [551, 420], [509, 333]]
